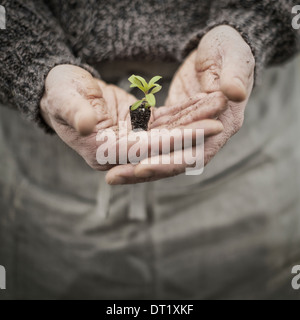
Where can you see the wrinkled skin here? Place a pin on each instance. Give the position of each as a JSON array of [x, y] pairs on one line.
[[222, 62], [219, 75], [78, 106]]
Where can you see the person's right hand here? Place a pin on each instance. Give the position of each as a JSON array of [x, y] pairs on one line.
[[76, 106]]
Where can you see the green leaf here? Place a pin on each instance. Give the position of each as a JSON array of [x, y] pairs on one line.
[[153, 80], [156, 89], [135, 86], [136, 83], [151, 99], [136, 105], [144, 83], [133, 79]]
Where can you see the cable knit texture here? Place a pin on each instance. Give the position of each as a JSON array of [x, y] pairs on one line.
[[43, 34]]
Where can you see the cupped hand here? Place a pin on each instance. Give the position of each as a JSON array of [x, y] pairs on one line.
[[77, 105], [222, 66], [222, 62]]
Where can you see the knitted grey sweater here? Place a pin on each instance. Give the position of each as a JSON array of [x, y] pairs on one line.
[[41, 34]]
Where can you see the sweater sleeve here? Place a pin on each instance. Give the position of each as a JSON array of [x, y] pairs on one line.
[[31, 45], [266, 25]]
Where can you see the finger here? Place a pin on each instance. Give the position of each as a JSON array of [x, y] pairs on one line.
[[227, 65], [136, 146], [165, 166], [80, 115], [127, 174], [172, 110], [169, 165], [177, 161], [209, 107], [211, 127], [151, 142], [237, 73], [123, 174]]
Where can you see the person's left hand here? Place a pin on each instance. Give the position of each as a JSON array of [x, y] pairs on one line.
[[223, 62]]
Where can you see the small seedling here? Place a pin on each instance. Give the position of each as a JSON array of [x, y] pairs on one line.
[[140, 111], [149, 89]]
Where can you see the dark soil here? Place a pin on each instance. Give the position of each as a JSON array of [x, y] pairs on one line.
[[140, 118]]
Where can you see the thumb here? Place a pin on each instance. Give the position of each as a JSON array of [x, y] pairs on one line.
[[236, 75], [225, 62], [81, 116], [237, 67]]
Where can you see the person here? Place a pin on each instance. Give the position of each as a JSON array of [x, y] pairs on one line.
[[230, 233]]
